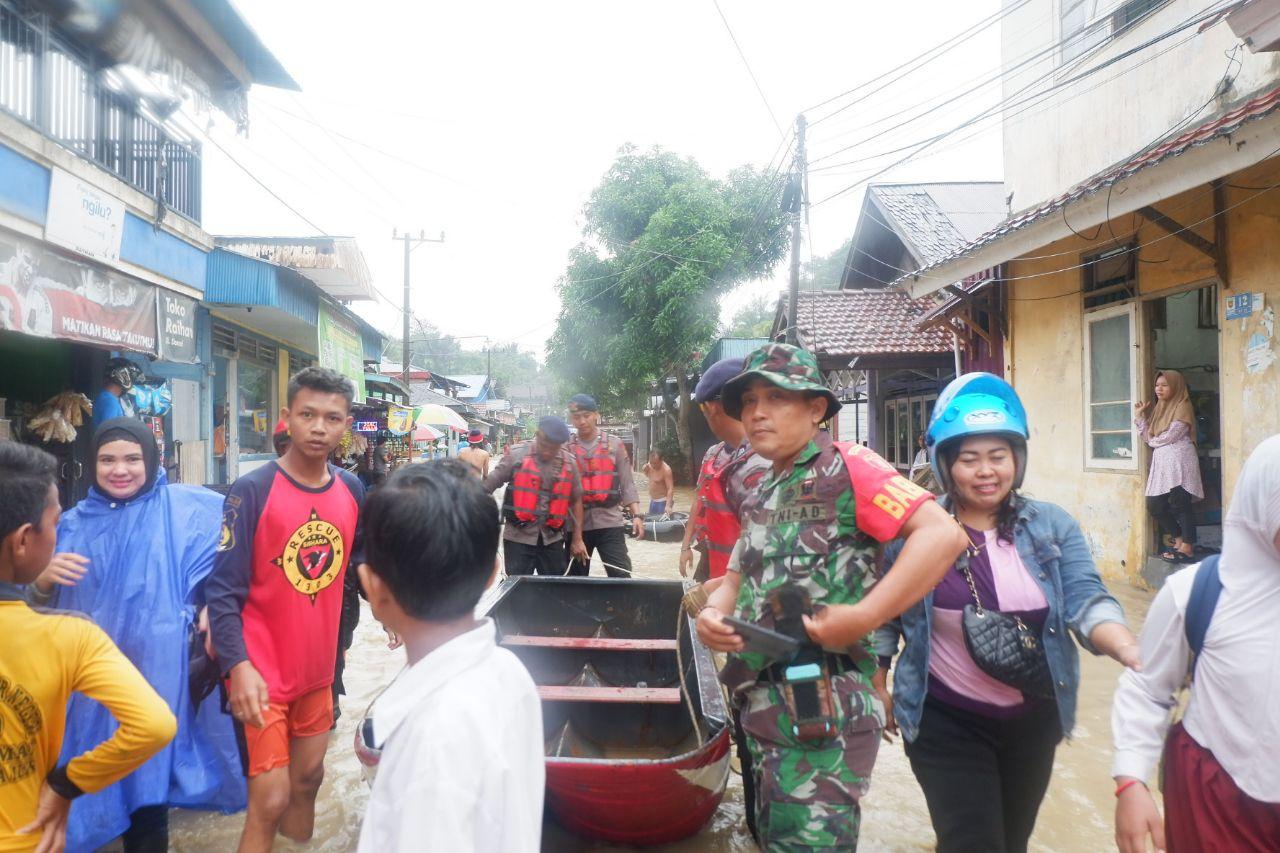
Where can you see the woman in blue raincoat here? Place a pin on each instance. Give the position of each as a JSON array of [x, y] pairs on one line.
[[135, 554]]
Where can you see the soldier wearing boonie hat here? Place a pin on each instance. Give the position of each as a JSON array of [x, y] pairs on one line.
[[803, 567]]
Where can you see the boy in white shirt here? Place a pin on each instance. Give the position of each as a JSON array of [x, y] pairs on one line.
[[460, 728]]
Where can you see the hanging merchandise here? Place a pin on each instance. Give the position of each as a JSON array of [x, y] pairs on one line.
[[151, 399], [59, 416]]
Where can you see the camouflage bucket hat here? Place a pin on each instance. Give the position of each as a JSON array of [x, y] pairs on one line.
[[784, 365]]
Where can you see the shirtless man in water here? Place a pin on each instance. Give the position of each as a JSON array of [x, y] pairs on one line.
[[662, 484], [475, 455]]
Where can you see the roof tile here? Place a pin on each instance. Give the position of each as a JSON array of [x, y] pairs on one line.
[[866, 322]]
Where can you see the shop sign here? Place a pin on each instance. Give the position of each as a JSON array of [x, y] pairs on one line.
[[341, 348], [399, 419], [365, 426], [49, 296], [177, 327], [83, 218]]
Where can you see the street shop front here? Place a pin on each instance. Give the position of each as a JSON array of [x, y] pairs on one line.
[[61, 319]]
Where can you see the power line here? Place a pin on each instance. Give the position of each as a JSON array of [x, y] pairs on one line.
[[259, 182], [1113, 60], [747, 65], [941, 50]]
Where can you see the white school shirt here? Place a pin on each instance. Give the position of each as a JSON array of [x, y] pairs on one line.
[[462, 754], [1234, 710]]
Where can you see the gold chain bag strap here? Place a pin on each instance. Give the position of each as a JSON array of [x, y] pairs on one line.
[[1003, 646]]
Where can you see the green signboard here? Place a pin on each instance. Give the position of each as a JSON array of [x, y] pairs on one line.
[[341, 348]]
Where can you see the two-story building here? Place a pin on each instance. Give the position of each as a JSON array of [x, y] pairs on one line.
[[102, 251], [1140, 149]]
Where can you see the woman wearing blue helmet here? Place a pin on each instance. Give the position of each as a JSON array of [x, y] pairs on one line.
[[986, 680]]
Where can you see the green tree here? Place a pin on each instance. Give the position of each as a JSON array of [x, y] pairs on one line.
[[663, 241], [753, 320]]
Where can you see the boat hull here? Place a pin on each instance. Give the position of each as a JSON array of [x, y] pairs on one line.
[[636, 728], [642, 802]]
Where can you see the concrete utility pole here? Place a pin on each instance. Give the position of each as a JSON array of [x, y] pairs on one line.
[[410, 243], [795, 199]]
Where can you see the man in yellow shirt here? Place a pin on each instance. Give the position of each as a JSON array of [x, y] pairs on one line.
[[45, 657]]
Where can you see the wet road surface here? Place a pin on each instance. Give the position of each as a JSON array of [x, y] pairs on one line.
[[1076, 815]]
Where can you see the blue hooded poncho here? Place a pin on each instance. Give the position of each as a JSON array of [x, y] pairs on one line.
[[147, 558]]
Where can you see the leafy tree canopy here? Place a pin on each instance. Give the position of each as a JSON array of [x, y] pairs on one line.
[[662, 242]]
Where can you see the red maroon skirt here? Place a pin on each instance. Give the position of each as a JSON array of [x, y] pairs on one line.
[[1204, 811]]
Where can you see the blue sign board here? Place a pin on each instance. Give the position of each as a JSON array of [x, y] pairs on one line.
[[1240, 306]]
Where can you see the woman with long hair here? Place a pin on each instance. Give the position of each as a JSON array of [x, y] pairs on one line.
[[1173, 484], [986, 679]]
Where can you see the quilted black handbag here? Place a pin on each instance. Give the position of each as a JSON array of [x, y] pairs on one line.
[[1005, 647]]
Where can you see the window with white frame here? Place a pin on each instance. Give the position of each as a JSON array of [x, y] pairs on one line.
[[1110, 370], [1085, 24], [905, 419]]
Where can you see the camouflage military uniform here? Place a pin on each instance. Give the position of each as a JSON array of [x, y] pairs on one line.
[[806, 527]]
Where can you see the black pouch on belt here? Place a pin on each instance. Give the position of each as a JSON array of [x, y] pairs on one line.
[[806, 680]]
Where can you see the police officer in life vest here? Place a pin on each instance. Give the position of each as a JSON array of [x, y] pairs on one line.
[[803, 568], [542, 503], [731, 472], [607, 485]]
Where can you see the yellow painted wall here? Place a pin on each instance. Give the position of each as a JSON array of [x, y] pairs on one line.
[[1046, 355]]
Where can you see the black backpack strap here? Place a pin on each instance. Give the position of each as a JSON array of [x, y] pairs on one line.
[[1205, 590]]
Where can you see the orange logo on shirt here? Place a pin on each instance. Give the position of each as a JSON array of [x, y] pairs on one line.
[[313, 556]]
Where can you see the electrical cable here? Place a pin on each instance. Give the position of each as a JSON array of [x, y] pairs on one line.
[[943, 47], [1060, 84], [747, 65]]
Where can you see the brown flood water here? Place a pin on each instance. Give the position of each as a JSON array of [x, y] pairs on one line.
[[1076, 815]]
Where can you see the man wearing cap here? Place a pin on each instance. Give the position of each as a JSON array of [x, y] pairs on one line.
[[731, 472], [542, 503], [607, 485], [475, 455], [803, 567]]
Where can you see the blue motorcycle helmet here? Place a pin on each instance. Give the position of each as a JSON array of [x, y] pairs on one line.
[[976, 404]]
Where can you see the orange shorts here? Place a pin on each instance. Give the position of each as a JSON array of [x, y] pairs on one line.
[[267, 748]]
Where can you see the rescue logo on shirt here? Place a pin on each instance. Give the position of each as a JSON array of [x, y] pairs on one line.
[[230, 511], [313, 556], [20, 722]]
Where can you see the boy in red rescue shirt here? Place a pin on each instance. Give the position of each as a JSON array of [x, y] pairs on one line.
[[275, 600]]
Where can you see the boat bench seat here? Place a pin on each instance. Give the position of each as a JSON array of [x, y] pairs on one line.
[[647, 695], [612, 644]]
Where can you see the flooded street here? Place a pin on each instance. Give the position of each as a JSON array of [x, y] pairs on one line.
[[1076, 815]]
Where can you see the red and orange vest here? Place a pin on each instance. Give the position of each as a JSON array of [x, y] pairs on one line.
[[715, 519], [526, 488], [599, 472]]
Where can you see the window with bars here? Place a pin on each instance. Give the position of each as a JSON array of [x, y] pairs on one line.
[[232, 342], [1086, 24], [1110, 277]]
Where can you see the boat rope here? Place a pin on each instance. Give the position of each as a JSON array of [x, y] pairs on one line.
[[681, 618]]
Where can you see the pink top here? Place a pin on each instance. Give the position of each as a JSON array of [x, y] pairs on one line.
[[1173, 460], [998, 573]]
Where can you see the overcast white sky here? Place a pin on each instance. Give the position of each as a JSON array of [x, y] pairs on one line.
[[494, 121]]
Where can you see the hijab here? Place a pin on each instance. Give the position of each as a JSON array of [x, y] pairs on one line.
[[1176, 407], [134, 430], [1235, 704]]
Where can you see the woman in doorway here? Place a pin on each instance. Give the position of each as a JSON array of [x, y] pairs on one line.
[[135, 553], [981, 747], [1173, 484]]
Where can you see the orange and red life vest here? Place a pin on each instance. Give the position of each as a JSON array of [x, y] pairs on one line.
[[716, 521], [599, 472], [526, 489]]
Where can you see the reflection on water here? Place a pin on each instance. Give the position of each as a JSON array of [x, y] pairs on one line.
[[1076, 815]]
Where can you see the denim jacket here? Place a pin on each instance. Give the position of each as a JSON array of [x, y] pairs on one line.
[[1054, 550]]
